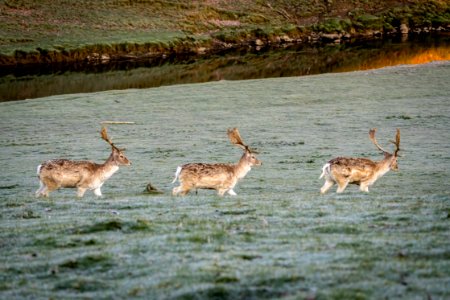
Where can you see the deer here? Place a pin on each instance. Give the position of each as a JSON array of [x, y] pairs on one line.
[[221, 177], [82, 175], [360, 171]]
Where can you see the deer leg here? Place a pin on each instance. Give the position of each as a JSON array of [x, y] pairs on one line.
[[342, 184], [221, 192], [38, 193], [364, 187], [182, 190], [98, 192], [81, 191], [175, 190], [50, 186], [185, 191], [232, 192], [44, 192], [341, 187], [326, 186], [40, 189]]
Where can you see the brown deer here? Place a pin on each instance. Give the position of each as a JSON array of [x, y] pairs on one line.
[[83, 175], [220, 177], [361, 171]]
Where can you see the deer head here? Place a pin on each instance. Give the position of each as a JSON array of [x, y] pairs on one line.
[[249, 154], [388, 155]]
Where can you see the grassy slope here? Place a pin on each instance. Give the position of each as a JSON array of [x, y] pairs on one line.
[[48, 30]]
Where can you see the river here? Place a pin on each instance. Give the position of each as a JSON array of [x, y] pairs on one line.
[[26, 82]]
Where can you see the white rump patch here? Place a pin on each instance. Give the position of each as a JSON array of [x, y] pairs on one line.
[[39, 169], [325, 170], [177, 173]]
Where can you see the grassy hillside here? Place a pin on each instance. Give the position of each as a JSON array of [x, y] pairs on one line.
[[62, 30]]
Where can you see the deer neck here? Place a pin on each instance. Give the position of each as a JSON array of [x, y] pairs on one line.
[[242, 168], [108, 168], [384, 165]]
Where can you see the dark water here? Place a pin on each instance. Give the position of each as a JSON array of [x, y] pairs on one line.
[[25, 82]]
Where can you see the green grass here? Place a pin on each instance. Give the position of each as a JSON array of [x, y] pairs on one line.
[[43, 31], [278, 238], [197, 251]]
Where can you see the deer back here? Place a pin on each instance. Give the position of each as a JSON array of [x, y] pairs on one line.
[[204, 175], [352, 169], [67, 173], [214, 175]]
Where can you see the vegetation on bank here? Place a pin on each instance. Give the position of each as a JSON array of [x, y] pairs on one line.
[[65, 31]]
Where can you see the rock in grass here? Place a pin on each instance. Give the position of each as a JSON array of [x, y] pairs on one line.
[[150, 189], [404, 29]]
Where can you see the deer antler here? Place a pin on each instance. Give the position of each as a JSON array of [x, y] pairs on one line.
[[397, 142], [106, 138], [374, 140], [236, 139]]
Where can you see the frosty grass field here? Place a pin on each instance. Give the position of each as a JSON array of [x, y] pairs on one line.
[[278, 238]]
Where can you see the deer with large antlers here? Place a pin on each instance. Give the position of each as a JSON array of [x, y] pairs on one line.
[[361, 171], [220, 177], [82, 175]]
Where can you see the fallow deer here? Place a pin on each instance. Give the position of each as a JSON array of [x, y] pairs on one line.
[[361, 171], [83, 175], [220, 177]]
